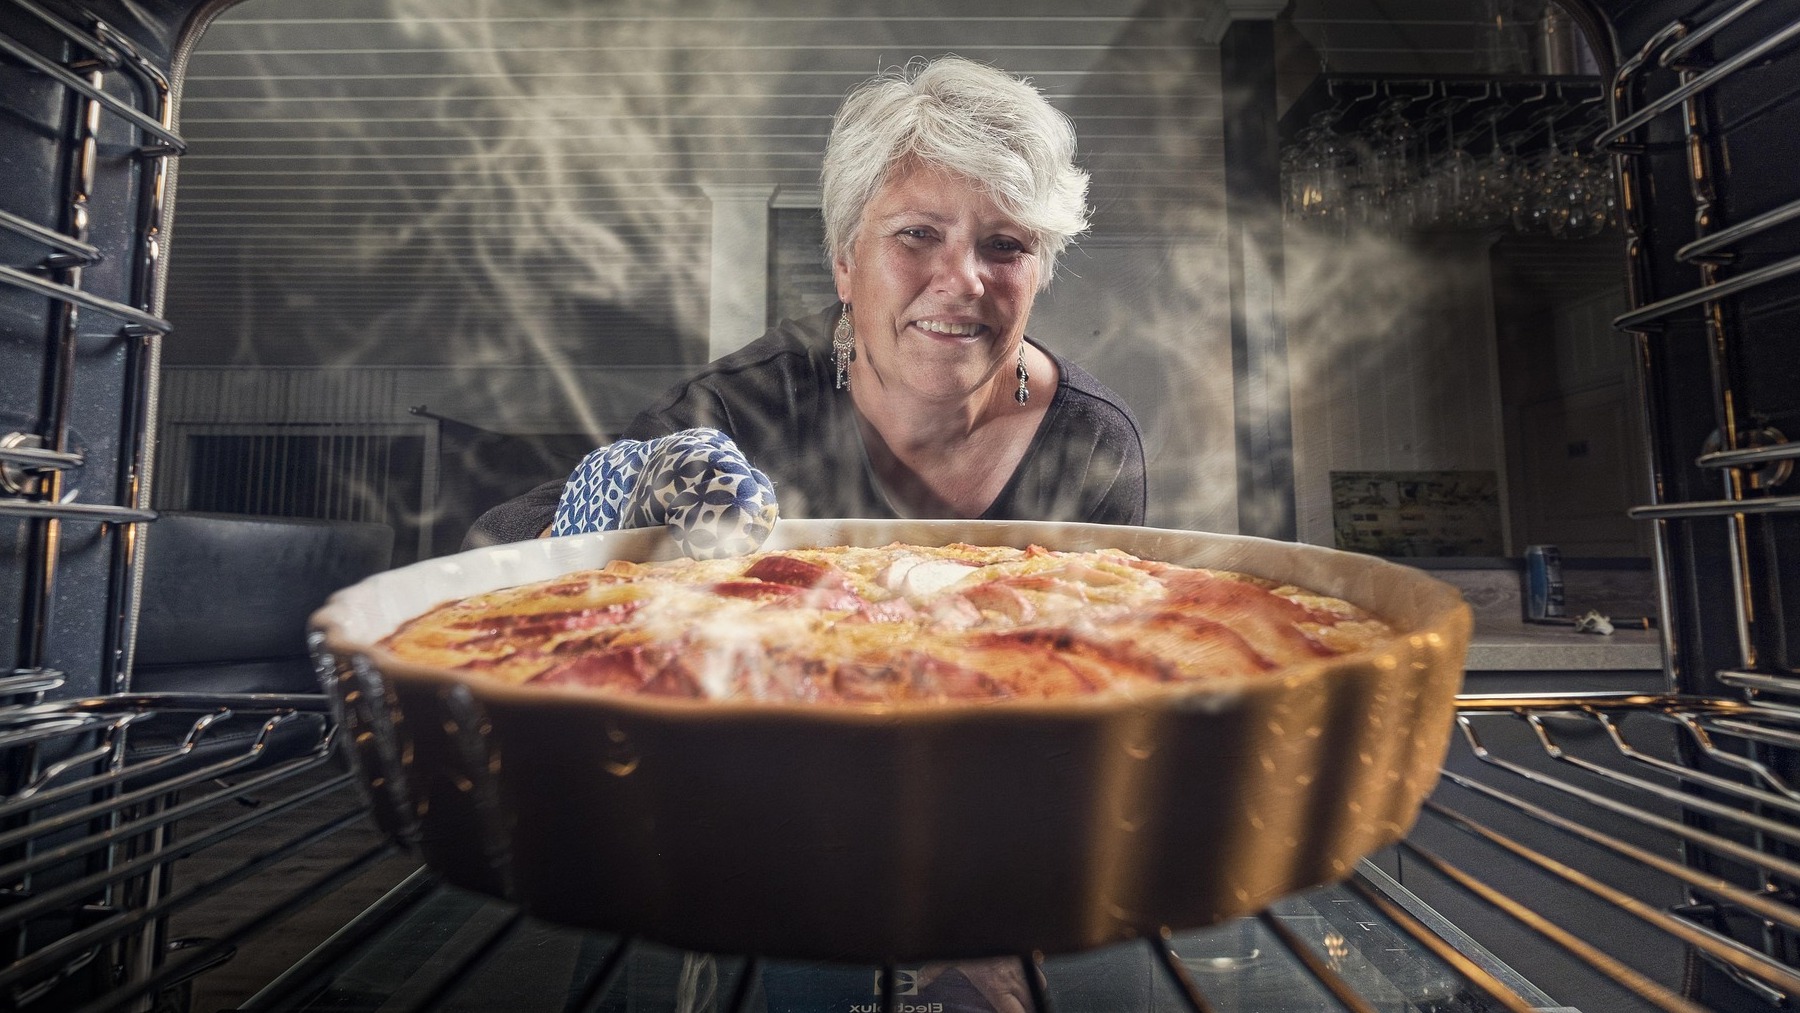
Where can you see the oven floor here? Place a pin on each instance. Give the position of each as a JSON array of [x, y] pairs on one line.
[[537, 966], [259, 960], [529, 965]]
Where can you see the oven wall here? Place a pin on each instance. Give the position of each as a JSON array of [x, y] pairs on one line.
[[66, 584], [1732, 607]]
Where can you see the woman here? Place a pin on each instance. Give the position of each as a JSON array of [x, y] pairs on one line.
[[949, 189]]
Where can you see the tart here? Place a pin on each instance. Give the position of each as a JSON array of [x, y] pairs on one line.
[[887, 624], [931, 828]]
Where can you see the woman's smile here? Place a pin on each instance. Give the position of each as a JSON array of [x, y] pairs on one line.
[[949, 329]]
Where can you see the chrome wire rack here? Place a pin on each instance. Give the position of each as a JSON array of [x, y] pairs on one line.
[[106, 795], [1717, 382], [1702, 135], [1567, 815], [1653, 808], [118, 132]]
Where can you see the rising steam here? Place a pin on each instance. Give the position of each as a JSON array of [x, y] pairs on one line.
[[543, 164]]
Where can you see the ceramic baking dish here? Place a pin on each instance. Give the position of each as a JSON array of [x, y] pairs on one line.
[[900, 832]]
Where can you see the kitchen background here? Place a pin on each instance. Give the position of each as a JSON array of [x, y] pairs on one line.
[[427, 254]]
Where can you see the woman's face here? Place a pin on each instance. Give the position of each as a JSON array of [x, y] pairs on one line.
[[940, 283]]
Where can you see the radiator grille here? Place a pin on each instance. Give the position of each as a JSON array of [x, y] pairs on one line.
[[297, 472]]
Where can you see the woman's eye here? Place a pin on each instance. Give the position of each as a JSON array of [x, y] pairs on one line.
[[915, 233], [1008, 247]]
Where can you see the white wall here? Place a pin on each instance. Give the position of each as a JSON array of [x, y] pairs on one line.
[[1579, 433], [1392, 363], [1150, 317]]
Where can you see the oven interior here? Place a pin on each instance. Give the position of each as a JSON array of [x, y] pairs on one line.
[[1635, 848]]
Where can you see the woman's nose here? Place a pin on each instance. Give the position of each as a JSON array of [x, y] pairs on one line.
[[959, 271]]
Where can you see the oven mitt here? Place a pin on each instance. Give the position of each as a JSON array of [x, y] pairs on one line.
[[696, 482]]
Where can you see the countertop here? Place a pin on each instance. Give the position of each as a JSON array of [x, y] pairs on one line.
[[1504, 642], [1501, 645]]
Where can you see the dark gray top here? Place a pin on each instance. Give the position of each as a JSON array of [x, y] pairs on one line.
[[775, 398]]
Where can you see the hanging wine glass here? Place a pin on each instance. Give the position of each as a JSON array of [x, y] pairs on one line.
[[1304, 196], [1372, 175], [1327, 164], [1453, 172], [1293, 182], [1497, 174], [1590, 197], [1334, 158], [1601, 208], [1393, 145], [1569, 190], [1315, 171], [1534, 206]]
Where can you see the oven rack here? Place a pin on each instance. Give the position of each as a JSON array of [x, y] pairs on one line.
[[137, 785], [1599, 776], [1716, 501], [40, 470], [1688, 791], [597, 987]]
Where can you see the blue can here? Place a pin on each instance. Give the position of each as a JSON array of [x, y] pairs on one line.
[[1543, 583]]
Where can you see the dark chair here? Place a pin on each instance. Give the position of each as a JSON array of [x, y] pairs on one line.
[[225, 603], [226, 598]]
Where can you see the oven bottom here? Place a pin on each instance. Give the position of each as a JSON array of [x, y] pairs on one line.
[[233, 866], [430, 946]]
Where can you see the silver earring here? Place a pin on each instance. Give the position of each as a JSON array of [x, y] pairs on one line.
[[843, 348], [1024, 392]]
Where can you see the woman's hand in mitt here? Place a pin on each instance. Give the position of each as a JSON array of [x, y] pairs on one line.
[[696, 482]]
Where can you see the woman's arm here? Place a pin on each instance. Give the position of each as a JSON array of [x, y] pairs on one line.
[[518, 519]]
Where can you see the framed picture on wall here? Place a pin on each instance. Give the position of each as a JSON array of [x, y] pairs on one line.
[[1417, 513]]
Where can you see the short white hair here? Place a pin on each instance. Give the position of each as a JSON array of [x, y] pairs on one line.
[[972, 120]]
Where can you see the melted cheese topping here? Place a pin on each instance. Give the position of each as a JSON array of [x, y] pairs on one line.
[[900, 622]]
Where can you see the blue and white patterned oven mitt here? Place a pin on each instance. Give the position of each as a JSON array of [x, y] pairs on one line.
[[696, 482]]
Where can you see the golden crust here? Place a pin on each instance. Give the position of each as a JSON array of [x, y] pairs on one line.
[[899, 622]]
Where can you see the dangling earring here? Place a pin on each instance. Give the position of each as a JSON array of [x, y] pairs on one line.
[[843, 348], [1024, 393]]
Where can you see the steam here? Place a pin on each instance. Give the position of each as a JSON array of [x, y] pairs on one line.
[[1144, 302], [531, 197], [533, 187], [539, 226], [1390, 359], [547, 214]]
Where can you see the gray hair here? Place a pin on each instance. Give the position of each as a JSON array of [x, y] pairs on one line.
[[972, 120]]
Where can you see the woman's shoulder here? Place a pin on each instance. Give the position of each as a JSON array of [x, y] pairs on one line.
[[796, 342], [759, 384], [1087, 401]]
